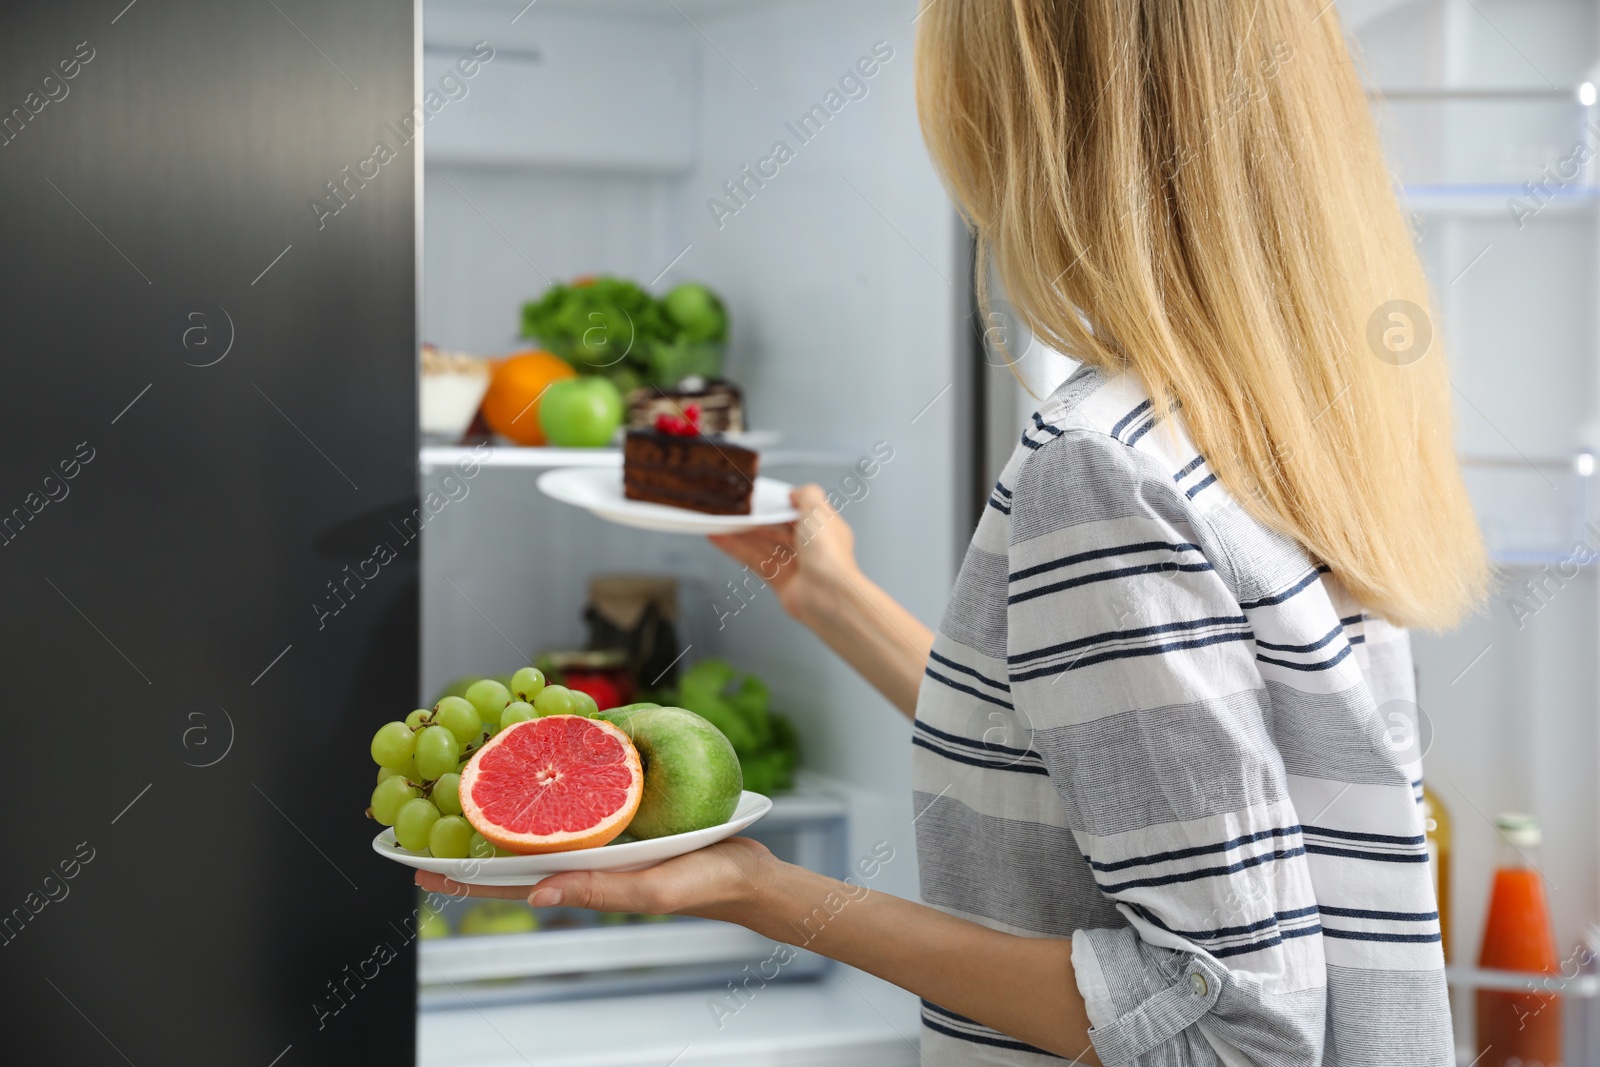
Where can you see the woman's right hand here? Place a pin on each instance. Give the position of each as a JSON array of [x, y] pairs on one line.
[[805, 562], [811, 565]]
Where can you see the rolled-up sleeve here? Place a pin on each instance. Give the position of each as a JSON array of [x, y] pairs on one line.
[[1135, 669]]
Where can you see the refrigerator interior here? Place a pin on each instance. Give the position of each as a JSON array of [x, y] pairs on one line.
[[599, 139], [595, 142]]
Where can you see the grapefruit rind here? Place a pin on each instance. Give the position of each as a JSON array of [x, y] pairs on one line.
[[527, 844]]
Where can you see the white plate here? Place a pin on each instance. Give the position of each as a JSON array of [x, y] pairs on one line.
[[526, 870], [599, 489]]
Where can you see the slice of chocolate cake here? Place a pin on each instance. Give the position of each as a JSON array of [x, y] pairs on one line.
[[674, 463]]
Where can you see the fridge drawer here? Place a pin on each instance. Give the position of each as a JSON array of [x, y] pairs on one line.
[[564, 965], [586, 950], [575, 953], [847, 1019]]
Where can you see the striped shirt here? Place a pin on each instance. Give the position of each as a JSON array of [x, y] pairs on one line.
[[1153, 726]]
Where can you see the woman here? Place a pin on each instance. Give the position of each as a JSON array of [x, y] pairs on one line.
[[1188, 590]]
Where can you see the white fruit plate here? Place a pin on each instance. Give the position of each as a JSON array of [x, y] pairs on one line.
[[526, 870], [599, 489]]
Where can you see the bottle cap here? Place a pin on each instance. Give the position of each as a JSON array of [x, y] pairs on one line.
[[1519, 829]]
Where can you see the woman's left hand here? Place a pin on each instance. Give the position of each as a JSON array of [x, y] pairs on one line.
[[717, 882]]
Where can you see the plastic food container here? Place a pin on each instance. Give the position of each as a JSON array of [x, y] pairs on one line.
[[453, 384]]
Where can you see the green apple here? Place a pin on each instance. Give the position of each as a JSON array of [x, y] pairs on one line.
[[692, 778], [618, 716], [581, 412], [499, 917]]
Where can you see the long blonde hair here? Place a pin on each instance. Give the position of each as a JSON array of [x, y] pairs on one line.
[[1194, 192]]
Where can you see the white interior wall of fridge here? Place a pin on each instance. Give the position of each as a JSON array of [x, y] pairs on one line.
[[849, 264], [843, 275]]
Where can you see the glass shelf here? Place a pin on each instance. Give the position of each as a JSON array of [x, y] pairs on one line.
[[1585, 986], [1491, 198], [1504, 94]]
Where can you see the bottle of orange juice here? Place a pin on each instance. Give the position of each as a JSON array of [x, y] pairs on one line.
[[1518, 1029]]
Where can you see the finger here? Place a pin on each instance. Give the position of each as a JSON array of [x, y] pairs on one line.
[[812, 499], [757, 534], [438, 883], [752, 547], [597, 891], [741, 546], [769, 539]]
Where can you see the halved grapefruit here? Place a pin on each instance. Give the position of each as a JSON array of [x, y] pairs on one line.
[[554, 784]]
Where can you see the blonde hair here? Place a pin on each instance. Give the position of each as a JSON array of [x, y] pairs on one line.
[[1194, 192]]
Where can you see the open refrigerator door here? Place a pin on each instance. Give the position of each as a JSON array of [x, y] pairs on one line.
[[1488, 117]]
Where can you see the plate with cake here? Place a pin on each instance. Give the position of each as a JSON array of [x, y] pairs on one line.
[[676, 479]]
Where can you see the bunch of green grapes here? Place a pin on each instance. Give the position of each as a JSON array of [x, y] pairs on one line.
[[420, 760]]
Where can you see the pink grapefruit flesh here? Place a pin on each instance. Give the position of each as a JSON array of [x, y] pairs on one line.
[[554, 784]]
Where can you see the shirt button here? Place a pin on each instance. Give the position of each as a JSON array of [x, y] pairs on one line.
[[1197, 984]]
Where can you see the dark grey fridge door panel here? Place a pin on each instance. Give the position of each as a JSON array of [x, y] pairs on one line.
[[208, 415]]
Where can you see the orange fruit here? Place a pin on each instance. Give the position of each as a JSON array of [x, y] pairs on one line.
[[511, 406], [553, 784]]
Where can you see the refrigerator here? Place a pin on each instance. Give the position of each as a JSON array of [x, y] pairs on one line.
[[209, 415], [233, 226]]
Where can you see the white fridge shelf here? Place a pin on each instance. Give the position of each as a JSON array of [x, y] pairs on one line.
[[599, 948]]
